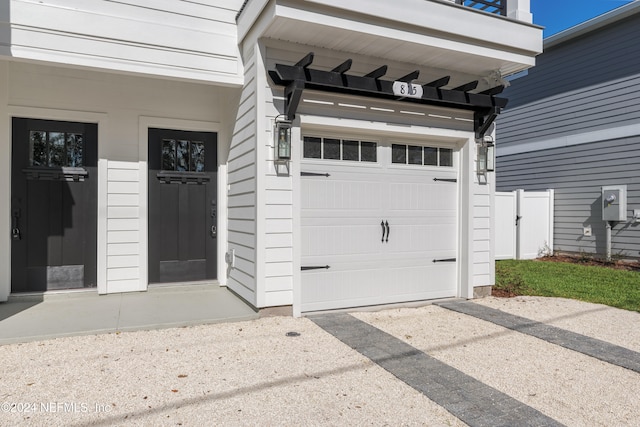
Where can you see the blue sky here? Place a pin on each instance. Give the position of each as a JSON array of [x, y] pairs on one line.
[[558, 15]]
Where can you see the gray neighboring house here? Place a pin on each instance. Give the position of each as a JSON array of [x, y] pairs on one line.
[[573, 125]]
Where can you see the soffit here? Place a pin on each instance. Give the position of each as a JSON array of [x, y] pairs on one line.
[[366, 35]]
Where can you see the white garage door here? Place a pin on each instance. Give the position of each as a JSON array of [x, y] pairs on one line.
[[382, 217]]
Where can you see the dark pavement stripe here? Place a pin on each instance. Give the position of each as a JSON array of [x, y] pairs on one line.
[[472, 401], [593, 347]]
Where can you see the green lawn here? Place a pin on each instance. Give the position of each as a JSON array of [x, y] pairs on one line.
[[602, 285]]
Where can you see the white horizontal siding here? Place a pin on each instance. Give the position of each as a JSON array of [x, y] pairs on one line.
[[122, 261], [278, 284], [278, 214], [119, 224], [483, 263], [123, 249], [184, 39], [116, 286], [123, 224], [278, 298], [241, 207]]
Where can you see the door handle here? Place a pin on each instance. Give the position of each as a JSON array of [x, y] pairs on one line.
[[385, 228], [15, 228], [518, 218], [214, 231]]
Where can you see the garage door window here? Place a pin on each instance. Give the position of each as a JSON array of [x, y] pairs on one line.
[[418, 155], [339, 149]]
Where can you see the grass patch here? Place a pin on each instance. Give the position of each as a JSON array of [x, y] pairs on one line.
[[601, 285]]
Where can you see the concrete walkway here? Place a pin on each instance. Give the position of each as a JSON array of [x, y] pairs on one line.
[[45, 316]]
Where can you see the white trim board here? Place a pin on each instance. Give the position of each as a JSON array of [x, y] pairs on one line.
[[570, 140], [463, 140], [352, 125]]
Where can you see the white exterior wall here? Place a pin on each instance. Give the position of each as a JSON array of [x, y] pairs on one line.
[[275, 260], [123, 226], [260, 201], [189, 41], [241, 191], [178, 39], [279, 208], [124, 108], [483, 233]]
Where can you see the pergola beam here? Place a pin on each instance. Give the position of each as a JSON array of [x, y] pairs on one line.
[[298, 77]]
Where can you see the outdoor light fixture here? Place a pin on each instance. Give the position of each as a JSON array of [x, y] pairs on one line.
[[283, 140], [486, 156]]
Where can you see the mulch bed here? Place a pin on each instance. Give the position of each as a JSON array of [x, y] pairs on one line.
[[589, 260], [502, 293]]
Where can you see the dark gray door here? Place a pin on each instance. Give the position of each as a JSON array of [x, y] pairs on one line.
[[182, 205], [53, 205]]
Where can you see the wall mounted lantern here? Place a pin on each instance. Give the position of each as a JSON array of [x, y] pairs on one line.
[[283, 140], [486, 156]]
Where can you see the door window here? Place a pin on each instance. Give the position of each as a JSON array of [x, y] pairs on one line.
[[55, 149], [183, 155]]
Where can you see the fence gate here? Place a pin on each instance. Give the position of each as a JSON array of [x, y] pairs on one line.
[[524, 224]]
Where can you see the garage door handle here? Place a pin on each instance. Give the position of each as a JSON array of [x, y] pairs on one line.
[[387, 224]]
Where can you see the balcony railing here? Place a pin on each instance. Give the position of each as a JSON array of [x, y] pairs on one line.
[[492, 6]]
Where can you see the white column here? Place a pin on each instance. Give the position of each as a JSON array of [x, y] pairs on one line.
[[466, 218], [520, 10], [551, 194], [262, 127], [519, 227]]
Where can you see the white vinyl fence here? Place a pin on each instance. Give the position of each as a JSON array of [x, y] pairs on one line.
[[524, 224]]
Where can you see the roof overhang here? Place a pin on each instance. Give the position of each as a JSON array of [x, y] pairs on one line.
[[429, 33], [594, 24]]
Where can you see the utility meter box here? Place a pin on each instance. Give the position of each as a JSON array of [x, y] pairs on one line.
[[614, 203]]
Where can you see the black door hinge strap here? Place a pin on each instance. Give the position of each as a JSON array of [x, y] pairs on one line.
[[315, 267], [314, 174]]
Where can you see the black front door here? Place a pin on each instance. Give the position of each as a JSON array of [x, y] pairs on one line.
[[54, 206], [182, 205]]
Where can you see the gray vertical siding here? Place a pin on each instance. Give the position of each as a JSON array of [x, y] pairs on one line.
[[562, 130]]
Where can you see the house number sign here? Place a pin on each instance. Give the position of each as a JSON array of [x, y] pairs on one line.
[[408, 90]]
